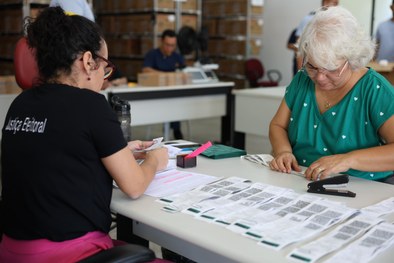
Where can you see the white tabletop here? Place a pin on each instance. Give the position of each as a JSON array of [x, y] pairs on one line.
[[206, 242], [125, 88], [274, 92]]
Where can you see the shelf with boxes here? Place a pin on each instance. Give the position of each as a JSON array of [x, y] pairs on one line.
[[12, 14], [132, 28], [235, 29]]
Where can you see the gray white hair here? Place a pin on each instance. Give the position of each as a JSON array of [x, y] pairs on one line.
[[333, 36]]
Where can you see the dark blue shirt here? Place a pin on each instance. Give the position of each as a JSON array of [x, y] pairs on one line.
[[157, 60]]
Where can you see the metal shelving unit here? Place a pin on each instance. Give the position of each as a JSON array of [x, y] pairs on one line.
[[132, 28], [235, 34], [12, 15]]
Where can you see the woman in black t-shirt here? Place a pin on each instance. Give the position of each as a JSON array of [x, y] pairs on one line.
[[62, 146]]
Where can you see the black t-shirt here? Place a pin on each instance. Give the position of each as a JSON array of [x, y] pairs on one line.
[[54, 183]]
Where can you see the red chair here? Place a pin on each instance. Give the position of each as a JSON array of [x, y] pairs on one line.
[[25, 65], [254, 71]]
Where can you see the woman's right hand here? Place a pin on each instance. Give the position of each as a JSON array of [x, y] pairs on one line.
[[160, 155], [285, 162]]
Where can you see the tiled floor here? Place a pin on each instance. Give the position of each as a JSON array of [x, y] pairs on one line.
[[196, 130]]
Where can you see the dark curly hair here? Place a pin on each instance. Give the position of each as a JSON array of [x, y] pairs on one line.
[[58, 39], [168, 33]]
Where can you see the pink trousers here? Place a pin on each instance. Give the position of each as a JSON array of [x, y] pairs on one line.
[[43, 250]]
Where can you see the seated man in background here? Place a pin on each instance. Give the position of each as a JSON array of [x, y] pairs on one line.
[[166, 59], [291, 45]]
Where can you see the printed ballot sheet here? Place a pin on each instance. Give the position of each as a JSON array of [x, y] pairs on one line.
[[314, 225], [225, 216], [380, 209], [276, 217], [367, 247], [302, 208], [174, 181], [256, 194], [238, 203], [338, 238], [180, 201]]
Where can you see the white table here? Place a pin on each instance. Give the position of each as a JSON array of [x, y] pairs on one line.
[[152, 105], [254, 109], [204, 242]]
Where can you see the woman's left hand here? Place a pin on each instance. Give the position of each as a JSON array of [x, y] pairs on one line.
[[326, 166]]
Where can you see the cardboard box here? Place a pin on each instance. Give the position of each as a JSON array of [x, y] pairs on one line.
[[231, 66], [147, 43], [189, 20], [211, 24], [171, 79], [12, 21], [255, 46], [8, 85], [189, 5], [215, 46], [152, 79], [165, 21], [163, 79], [7, 46], [126, 4], [150, 4], [108, 24], [231, 8], [177, 78], [256, 26]]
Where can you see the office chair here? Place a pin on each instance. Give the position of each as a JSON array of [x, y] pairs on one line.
[[25, 66], [254, 71], [26, 75]]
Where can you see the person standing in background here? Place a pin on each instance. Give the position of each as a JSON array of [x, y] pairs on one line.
[[306, 20], [82, 8], [385, 39], [78, 7], [166, 59], [291, 44]]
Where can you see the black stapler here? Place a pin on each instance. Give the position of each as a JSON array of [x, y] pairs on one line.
[[317, 187]]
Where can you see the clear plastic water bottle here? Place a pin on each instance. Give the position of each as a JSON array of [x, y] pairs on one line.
[[122, 109]]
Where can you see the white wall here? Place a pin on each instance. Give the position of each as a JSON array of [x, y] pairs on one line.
[[282, 16]]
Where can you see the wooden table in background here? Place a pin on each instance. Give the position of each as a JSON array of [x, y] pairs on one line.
[[386, 70]]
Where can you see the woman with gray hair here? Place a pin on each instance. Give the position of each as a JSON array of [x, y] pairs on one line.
[[337, 115]]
